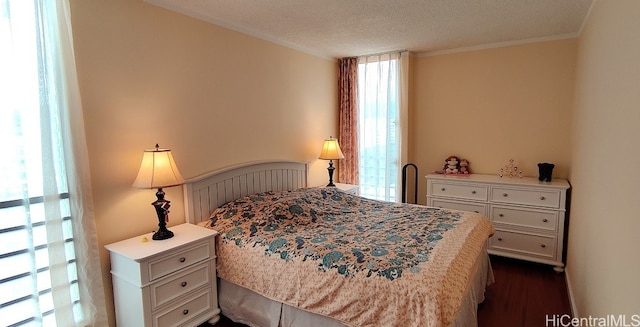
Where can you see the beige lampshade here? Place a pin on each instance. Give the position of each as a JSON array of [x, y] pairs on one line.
[[158, 170], [331, 150]]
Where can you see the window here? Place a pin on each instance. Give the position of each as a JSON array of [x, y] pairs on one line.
[[378, 124], [38, 278]]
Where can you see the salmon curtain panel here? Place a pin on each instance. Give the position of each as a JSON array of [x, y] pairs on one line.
[[348, 121]]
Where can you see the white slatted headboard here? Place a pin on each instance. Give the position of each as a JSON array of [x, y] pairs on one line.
[[205, 193]]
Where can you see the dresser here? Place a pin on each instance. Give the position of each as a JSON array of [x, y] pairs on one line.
[[528, 215], [165, 283]]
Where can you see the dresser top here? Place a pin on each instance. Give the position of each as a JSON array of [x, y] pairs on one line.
[[495, 179], [137, 249]]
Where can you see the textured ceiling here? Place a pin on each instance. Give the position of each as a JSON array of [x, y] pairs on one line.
[[341, 28]]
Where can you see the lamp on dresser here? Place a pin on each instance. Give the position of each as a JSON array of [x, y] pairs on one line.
[[331, 151], [159, 170]]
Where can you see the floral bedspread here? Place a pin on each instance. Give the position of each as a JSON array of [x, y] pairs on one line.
[[360, 261]]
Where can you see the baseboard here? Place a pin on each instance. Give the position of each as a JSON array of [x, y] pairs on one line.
[[572, 302]]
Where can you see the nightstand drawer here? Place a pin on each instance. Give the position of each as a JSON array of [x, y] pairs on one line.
[[471, 192], [185, 282], [464, 206], [540, 198], [528, 244], [541, 219], [183, 312], [178, 260]]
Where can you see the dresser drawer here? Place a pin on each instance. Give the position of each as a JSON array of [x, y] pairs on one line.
[[541, 219], [468, 191], [464, 206], [542, 198], [528, 244], [181, 313], [179, 259], [176, 286]]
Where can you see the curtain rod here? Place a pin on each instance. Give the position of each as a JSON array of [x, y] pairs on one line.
[[382, 53]]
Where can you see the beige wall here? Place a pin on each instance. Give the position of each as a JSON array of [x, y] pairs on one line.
[[149, 75], [603, 260], [491, 105], [214, 96]]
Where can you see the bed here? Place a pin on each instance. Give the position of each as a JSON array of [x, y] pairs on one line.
[[293, 255]]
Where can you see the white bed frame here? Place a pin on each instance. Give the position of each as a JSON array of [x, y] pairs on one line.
[[205, 193]]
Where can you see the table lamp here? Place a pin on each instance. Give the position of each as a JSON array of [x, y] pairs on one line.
[[331, 151], [158, 170]]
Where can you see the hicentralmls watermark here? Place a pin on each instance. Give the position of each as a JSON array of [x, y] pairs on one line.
[[606, 321]]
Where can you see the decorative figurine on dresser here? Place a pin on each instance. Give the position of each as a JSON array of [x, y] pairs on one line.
[[528, 214], [455, 166]]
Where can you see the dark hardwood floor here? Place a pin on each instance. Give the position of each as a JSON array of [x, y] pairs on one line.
[[523, 295]]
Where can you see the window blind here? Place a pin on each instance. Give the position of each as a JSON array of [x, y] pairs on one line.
[[25, 284]]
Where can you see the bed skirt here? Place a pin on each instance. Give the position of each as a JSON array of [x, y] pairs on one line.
[[247, 307]]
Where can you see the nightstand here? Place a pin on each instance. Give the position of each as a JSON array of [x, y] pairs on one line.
[[349, 188], [165, 283]]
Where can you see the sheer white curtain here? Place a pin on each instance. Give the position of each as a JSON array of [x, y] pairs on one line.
[[50, 272], [379, 130]]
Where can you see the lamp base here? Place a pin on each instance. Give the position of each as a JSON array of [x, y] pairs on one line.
[[162, 210], [162, 234], [331, 169]]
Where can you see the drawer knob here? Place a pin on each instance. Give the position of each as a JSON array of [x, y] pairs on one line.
[[473, 192], [185, 312], [501, 215], [542, 245], [183, 284], [183, 259], [443, 189], [542, 198], [476, 211], [505, 195], [500, 239], [545, 220]]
